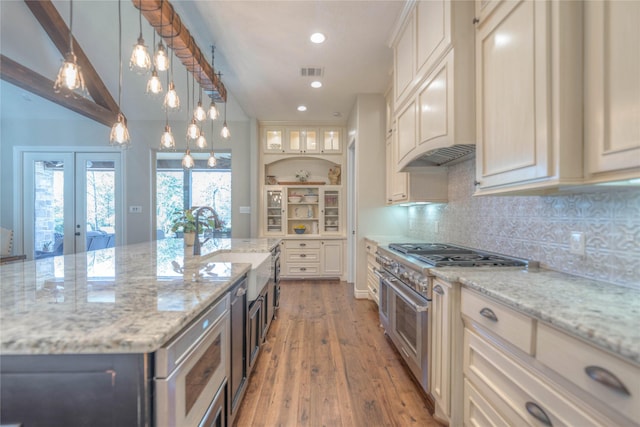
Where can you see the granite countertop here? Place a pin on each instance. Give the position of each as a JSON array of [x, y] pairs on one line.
[[129, 299], [603, 314]]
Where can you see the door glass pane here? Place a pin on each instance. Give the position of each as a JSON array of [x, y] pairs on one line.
[[311, 140], [48, 209], [274, 140], [213, 188], [274, 211], [294, 140], [100, 204], [406, 322], [331, 140]]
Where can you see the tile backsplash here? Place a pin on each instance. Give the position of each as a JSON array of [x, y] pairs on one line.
[[539, 227]]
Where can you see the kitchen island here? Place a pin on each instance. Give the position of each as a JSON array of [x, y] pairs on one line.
[[98, 317]]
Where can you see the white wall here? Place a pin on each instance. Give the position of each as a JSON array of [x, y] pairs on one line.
[[367, 125]]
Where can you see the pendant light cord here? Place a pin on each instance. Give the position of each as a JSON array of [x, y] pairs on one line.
[[71, 26], [120, 53], [140, 16]]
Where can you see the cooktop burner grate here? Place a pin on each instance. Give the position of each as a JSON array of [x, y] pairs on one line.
[[446, 255], [427, 248]]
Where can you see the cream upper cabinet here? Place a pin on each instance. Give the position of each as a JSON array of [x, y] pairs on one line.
[[273, 139], [302, 141], [406, 131], [528, 95], [397, 182], [330, 140], [404, 60], [612, 90]]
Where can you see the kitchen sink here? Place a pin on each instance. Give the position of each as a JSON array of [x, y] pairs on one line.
[[260, 268]]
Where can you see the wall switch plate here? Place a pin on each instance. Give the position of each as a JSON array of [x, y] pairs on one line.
[[245, 209], [576, 243], [135, 209]]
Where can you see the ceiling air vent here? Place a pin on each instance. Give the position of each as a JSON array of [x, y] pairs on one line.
[[311, 72]]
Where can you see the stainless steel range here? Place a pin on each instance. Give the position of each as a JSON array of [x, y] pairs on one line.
[[406, 289]]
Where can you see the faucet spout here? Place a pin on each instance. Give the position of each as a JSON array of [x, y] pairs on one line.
[[196, 213]]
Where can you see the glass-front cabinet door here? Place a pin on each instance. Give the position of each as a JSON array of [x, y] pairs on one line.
[[303, 141], [331, 221], [273, 140], [275, 211], [303, 212], [331, 141]]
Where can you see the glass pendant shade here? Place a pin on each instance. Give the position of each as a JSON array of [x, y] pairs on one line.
[[154, 85], [211, 162], [213, 112], [140, 60], [225, 133], [171, 100], [167, 142], [119, 132], [201, 141], [187, 160], [192, 130], [69, 75], [161, 59], [199, 114]]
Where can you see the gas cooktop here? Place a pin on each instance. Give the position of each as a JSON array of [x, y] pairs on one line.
[[445, 255]]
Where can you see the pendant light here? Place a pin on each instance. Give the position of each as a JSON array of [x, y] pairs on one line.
[[119, 133], [192, 127], [225, 133], [70, 75], [160, 59], [154, 85], [187, 160], [140, 61], [199, 114], [201, 141], [211, 161], [213, 112], [171, 99]]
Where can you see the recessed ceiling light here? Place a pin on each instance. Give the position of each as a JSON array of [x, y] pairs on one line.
[[317, 38], [316, 84], [302, 108]]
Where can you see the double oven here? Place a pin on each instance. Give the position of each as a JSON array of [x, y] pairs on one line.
[[405, 291]]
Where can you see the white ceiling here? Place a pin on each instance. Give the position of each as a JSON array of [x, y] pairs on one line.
[[260, 48]]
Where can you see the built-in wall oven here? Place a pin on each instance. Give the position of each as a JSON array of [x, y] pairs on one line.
[[191, 372]]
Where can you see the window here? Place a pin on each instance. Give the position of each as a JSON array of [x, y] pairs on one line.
[[178, 189]]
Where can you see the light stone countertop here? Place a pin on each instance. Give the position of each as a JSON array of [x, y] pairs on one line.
[[603, 314], [129, 299]]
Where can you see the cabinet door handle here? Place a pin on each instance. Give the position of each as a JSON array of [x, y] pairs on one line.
[[607, 379], [489, 314], [438, 290], [241, 291], [476, 20], [538, 413], [368, 247], [476, 183]]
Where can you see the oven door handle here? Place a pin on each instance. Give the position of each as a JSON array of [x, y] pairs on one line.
[[414, 302], [381, 276]]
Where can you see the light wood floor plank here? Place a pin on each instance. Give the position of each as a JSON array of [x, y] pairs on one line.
[[327, 362]]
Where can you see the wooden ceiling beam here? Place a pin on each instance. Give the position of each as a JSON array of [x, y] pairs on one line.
[[51, 21], [37, 84], [167, 23]]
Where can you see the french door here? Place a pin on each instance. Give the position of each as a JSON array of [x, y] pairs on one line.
[[72, 202]]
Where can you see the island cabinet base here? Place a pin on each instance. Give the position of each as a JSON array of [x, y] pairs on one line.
[[76, 390]]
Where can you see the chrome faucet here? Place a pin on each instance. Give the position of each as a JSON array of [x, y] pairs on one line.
[[196, 213]]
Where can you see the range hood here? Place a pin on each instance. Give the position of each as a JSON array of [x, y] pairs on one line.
[[444, 156]]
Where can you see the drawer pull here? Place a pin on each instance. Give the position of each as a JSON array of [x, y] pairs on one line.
[[303, 255], [489, 314], [303, 244], [607, 379], [538, 413], [303, 269], [438, 290]]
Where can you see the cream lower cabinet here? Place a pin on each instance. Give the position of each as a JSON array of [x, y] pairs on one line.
[[507, 383], [528, 96], [312, 258], [372, 265], [612, 90]]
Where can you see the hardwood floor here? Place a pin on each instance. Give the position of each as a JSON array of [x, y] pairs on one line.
[[327, 362]]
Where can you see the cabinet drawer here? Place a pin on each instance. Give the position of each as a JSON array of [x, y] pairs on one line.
[[303, 270], [300, 255], [571, 358], [477, 411], [302, 244], [371, 248], [499, 319], [519, 395]]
